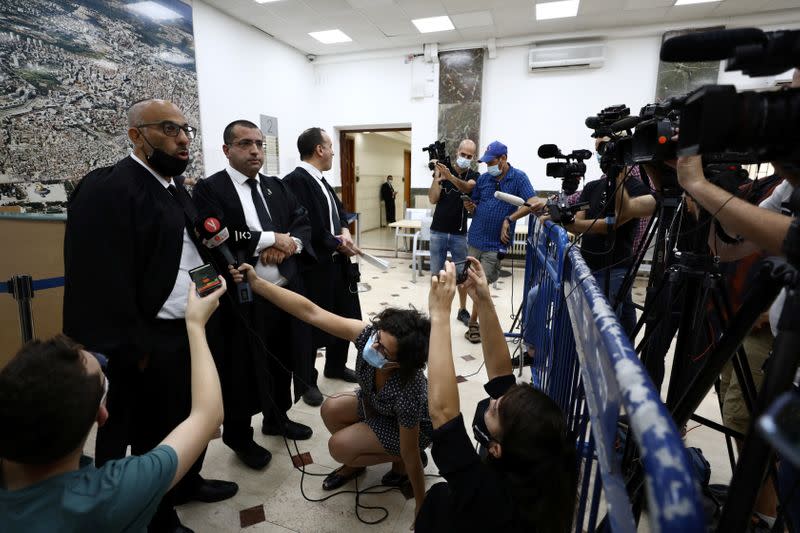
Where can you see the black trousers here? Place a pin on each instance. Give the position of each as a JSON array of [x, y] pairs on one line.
[[259, 365], [333, 287], [145, 405], [390, 214]]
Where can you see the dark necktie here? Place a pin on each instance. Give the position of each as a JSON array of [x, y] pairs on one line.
[[189, 215], [261, 209], [337, 223]]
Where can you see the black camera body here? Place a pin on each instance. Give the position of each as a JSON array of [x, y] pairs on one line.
[[652, 139], [571, 170], [560, 212], [437, 151], [603, 121]]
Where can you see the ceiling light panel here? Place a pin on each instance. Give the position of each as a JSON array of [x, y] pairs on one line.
[[433, 24], [330, 36], [557, 10]]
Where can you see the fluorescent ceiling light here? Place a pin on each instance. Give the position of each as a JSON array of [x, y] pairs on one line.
[[432, 24], [557, 10], [690, 2], [330, 36], [265, 1], [153, 10]]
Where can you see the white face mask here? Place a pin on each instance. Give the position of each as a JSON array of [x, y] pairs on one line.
[[463, 162], [494, 170]]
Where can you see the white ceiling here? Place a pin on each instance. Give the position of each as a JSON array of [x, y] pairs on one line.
[[382, 24]]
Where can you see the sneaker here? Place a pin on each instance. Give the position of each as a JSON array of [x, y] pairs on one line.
[[473, 334], [463, 317]]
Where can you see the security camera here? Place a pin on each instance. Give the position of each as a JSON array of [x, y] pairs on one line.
[[311, 57]]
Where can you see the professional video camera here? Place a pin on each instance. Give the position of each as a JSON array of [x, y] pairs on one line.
[[656, 125], [437, 152], [571, 172], [615, 123], [716, 118]]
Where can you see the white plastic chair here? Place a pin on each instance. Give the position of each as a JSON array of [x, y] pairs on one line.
[[418, 254], [411, 214]]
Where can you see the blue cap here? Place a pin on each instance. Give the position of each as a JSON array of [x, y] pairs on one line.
[[493, 151]]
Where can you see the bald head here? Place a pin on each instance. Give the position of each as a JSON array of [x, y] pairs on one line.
[[468, 144], [150, 110]]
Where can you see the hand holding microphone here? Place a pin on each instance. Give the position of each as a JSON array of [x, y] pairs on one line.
[[214, 236], [519, 202]]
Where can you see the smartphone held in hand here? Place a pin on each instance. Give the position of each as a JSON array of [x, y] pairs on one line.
[[205, 278]]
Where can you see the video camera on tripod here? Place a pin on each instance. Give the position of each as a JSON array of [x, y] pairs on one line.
[[437, 151], [570, 171]]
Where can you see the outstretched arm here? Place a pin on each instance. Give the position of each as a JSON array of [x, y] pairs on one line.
[[443, 401], [493, 341], [300, 306]]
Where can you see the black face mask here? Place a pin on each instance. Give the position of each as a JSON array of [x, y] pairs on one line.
[[479, 429], [165, 164]]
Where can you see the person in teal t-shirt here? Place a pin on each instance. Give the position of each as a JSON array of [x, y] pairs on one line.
[[51, 394]]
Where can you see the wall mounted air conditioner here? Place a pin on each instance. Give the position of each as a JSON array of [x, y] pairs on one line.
[[566, 55]]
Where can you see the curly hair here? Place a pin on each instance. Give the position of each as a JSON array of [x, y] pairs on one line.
[[412, 330], [538, 460], [48, 401]]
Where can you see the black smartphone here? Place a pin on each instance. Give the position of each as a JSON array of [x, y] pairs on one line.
[[205, 278], [462, 271]]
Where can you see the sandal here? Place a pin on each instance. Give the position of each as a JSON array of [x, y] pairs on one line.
[[473, 334], [334, 480]]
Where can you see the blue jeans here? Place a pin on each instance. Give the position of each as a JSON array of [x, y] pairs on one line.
[[627, 313], [441, 243]]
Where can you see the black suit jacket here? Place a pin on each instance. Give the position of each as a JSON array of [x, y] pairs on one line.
[[308, 192], [387, 192], [217, 196], [122, 252]]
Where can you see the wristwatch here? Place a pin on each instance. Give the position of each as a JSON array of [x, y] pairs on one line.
[[508, 219], [611, 220]]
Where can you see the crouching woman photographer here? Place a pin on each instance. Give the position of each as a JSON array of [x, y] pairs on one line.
[[527, 481], [387, 419]]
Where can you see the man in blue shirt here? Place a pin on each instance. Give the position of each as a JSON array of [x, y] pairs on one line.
[[491, 233], [51, 394]]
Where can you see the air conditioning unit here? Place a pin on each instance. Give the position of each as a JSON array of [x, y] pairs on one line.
[[553, 56]]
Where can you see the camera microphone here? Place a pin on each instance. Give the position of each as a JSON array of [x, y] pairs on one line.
[[546, 151], [625, 123], [510, 198], [709, 45]]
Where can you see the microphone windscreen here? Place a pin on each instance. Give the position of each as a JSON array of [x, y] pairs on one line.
[[593, 122], [547, 151], [709, 45], [509, 198], [625, 123]]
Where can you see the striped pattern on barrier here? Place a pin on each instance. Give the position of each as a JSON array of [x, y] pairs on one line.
[[584, 361]]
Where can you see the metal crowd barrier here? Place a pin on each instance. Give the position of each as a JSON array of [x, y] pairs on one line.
[[584, 361], [22, 288]]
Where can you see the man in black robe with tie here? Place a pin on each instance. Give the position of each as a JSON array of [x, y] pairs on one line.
[[128, 248], [332, 281], [388, 195], [263, 343]]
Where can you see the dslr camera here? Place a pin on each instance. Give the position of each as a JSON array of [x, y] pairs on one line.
[[437, 152]]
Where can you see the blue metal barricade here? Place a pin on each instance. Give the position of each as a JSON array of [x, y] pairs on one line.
[[584, 361]]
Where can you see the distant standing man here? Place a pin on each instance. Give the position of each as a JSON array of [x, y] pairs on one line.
[[388, 195], [449, 226]]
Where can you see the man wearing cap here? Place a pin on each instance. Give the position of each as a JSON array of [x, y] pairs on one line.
[[491, 233]]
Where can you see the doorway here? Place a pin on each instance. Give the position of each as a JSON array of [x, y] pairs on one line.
[[368, 158]]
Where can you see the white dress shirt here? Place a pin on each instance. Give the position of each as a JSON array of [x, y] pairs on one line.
[[317, 175], [269, 272], [175, 305]]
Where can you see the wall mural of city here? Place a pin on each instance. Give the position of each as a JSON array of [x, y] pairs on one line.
[[68, 73]]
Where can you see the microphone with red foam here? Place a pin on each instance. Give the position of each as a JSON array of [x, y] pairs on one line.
[[213, 235]]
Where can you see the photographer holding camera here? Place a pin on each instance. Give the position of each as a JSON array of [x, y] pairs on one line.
[[607, 239], [449, 226]]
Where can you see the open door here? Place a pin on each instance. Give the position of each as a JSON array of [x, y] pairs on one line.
[[406, 182]]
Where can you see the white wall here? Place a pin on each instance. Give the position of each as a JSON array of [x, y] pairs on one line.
[[525, 110], [376, 92], [242, 73], [376, 157]]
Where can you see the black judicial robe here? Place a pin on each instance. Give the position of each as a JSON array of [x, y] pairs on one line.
[[122, 251], [328, 281], [217, 196]]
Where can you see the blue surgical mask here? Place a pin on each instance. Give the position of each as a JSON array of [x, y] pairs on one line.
[[599, 157], [494, 170], [463, 162], [372, 356]]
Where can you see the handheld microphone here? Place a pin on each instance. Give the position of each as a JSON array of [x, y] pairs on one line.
[[510, 199], [709, 45], [213, 235]]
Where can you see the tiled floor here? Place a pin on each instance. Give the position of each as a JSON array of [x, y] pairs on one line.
[[271, 500], [379, 239]]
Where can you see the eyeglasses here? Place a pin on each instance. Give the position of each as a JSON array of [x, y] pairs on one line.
[[171, 129], [244, 144], [380, 347]]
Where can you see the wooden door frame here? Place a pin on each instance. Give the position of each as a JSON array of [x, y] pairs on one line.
[[406, 179], [349, 188]]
